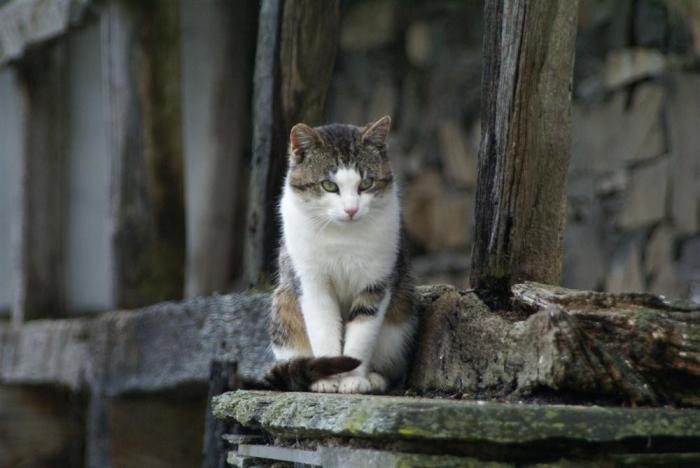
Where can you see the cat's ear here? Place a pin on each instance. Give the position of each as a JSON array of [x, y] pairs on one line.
[[301, 139], [375, 133]]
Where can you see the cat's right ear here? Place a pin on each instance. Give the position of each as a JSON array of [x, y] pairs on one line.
[[301, 139]]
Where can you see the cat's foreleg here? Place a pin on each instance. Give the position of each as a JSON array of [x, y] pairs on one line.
[[324, 327], [362, 329]]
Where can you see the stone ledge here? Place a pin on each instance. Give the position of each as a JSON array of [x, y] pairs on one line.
[[383, 417], [154, 348]]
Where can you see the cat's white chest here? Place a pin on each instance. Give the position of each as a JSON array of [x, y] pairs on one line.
[[349, 257], [357, 262]]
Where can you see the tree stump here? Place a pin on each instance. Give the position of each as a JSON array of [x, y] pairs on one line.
[[560, 345]]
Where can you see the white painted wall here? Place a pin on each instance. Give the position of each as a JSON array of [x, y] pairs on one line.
[[10, 176], [88, 249]]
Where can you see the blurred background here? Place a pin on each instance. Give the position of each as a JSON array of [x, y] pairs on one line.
[[126, 148], [83, 112]]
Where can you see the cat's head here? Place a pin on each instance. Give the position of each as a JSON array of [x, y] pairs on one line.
[[340, 173]]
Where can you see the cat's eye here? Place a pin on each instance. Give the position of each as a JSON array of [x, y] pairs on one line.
[[329, 186], [366, 183]]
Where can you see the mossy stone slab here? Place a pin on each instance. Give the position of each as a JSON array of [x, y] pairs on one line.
[[385, 417]]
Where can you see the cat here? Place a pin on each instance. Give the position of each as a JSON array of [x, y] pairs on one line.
[[342, 316]]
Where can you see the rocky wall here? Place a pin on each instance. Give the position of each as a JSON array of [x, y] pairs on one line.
[[633, 190]]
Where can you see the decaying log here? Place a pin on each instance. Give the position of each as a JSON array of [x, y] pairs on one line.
[[582, 345], [525, 142]]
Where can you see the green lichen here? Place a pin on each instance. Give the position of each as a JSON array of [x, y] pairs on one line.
[[416, 418]]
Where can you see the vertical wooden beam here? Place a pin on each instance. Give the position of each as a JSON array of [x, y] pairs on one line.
[[141, 72], [11, 154], [88, 266], [98, 450], [297, 43], [218, 44], [223, 376], [39, 284], [525, 142]]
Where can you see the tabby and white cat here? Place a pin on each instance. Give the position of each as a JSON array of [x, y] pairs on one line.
[[343, 286]]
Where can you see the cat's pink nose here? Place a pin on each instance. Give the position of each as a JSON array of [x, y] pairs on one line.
[[351, 211]]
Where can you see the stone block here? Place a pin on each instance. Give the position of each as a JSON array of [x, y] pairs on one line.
[[369, 25], [610, 135], [419, 44], [435, 217], [382, 102], [584, 261], [659, 266], [625, 271], [624, 66], [460, 162], [441, 268], [694, 21], [646, 195], [683, 113], [690, 256], [651, 25]]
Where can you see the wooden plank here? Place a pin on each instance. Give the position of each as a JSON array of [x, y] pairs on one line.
[[141, 72], [270, 452], [40, 246], [217, 62], [297, 43], [525, 142]]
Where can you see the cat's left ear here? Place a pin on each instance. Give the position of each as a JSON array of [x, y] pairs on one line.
[[301, 139], [375, 133]]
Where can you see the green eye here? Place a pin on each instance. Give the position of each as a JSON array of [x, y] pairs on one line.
[[366, 183], [329, 186]]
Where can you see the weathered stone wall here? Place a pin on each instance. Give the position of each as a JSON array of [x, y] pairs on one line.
[[633, 183]]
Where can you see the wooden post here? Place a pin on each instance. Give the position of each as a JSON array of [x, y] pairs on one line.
[[218, 44], [141, 72], [40, 246], [11, 160], [97, 434], [297, 43], [525, 142], [223, 377]]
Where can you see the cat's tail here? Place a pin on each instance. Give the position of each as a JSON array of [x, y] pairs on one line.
[[297, 374]]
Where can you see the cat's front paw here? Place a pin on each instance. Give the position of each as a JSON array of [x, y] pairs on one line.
[[355, 384], [378, 382], [329, 385]]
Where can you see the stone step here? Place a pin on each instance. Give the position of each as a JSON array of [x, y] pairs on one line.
[[485, 430]]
